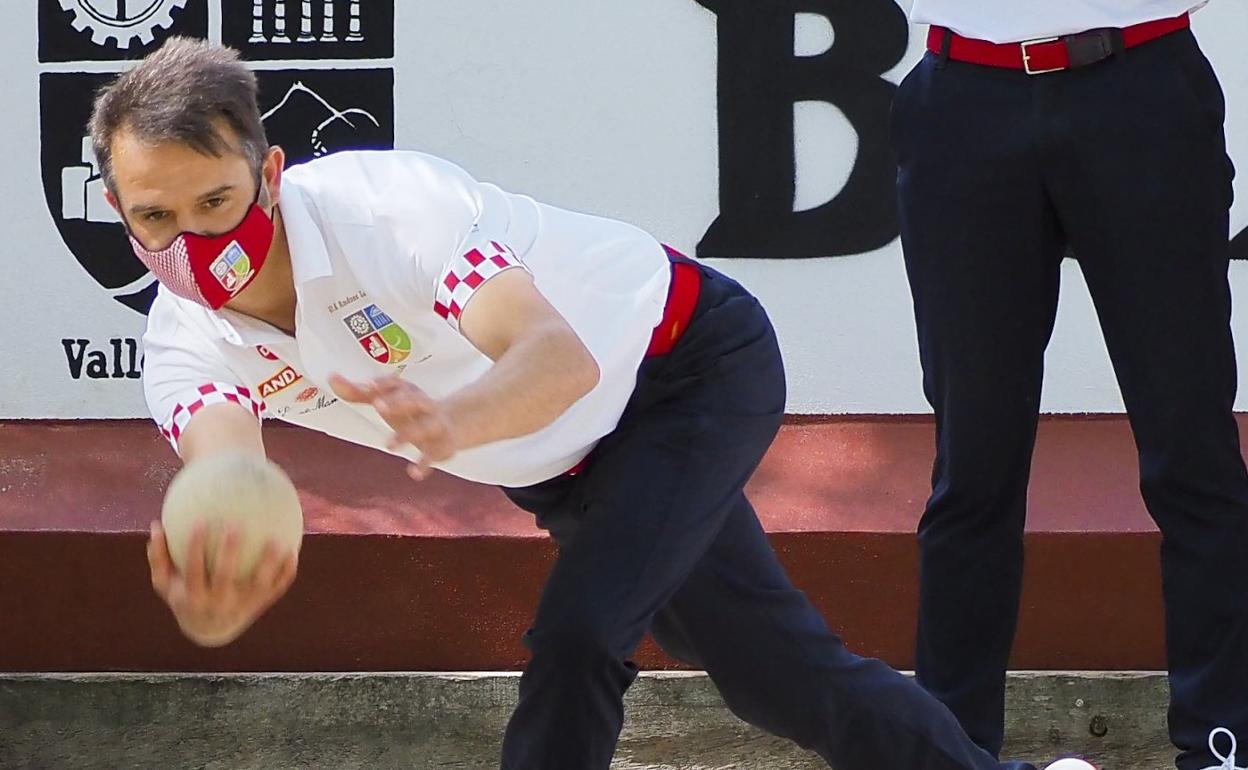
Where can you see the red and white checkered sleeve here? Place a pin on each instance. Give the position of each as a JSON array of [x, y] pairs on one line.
[[185, 370], [206, 395], [468, 272]]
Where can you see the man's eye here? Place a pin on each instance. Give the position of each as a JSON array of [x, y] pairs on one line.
[[213, 203], [155, 216]]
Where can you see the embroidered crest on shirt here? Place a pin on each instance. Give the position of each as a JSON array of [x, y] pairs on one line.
[[384, 340]]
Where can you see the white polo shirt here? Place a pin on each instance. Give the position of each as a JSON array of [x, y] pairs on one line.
[[1012, 21], [386, 249]]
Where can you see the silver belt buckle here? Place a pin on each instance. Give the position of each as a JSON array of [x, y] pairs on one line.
[[1027, 57]]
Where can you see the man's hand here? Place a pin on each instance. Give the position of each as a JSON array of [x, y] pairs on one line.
[[414, 417], [215, 609]]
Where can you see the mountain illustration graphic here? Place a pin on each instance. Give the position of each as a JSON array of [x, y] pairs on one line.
[[308, 126]]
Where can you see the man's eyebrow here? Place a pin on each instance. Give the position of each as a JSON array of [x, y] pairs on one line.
[[143, 208], [216, 191]]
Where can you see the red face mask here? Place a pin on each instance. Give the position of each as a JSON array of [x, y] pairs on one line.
[[212, 269]]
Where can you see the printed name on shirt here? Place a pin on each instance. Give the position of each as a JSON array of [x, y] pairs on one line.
[[322, 400], [351, 300]]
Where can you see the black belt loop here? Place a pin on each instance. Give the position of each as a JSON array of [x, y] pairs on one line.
[[945, 45]]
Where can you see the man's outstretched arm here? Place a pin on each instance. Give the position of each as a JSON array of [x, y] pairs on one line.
[[213, 609], [541, 368]]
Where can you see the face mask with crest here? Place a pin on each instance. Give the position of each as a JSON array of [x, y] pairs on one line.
[[212, 269]]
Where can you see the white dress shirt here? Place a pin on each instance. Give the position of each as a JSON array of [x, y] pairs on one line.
[[386, 249], [1012, 21]]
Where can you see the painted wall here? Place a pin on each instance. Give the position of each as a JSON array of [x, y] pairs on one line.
[[603, 107]]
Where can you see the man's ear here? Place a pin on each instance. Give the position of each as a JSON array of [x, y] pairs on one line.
[[112, 200], [274, 165]]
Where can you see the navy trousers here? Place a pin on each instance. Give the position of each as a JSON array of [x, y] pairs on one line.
[[1000, 173], [656, 535]]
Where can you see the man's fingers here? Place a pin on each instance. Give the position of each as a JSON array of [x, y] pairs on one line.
[[405, 408], [419, 471], [388, 411], [267, 569], [158, 560], [283, 577], [176, 596], [426, 433], [196, 573], [398, 408], [222, 581], [402, 407], [397, 396], [273, 580], [415, 420], [408, 396], [353, 392], [286, 576], [388, 384], [402, 421]]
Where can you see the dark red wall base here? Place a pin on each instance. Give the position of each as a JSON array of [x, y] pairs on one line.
[[444, 575]]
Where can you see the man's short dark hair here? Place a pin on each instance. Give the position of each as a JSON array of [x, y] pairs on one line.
[[178, 93]]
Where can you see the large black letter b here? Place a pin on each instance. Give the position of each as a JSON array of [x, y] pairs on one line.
[[760, 81]]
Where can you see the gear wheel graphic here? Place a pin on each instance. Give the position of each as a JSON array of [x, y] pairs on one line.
[[105, 25]]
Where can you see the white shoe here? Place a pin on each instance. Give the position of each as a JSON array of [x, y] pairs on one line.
[[1070, 764], [1227, 760]]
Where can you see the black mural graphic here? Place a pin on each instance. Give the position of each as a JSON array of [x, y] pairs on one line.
[[760, 79], [312, 111], [114, 30], [75, 193], [336, 29], [309, 112]]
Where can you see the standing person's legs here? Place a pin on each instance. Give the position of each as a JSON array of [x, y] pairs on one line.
[[778, 666], [983, 252], [1144, 184]]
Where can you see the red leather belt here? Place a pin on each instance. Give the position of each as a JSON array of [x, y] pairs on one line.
[[1051, 54], [682, 297]]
